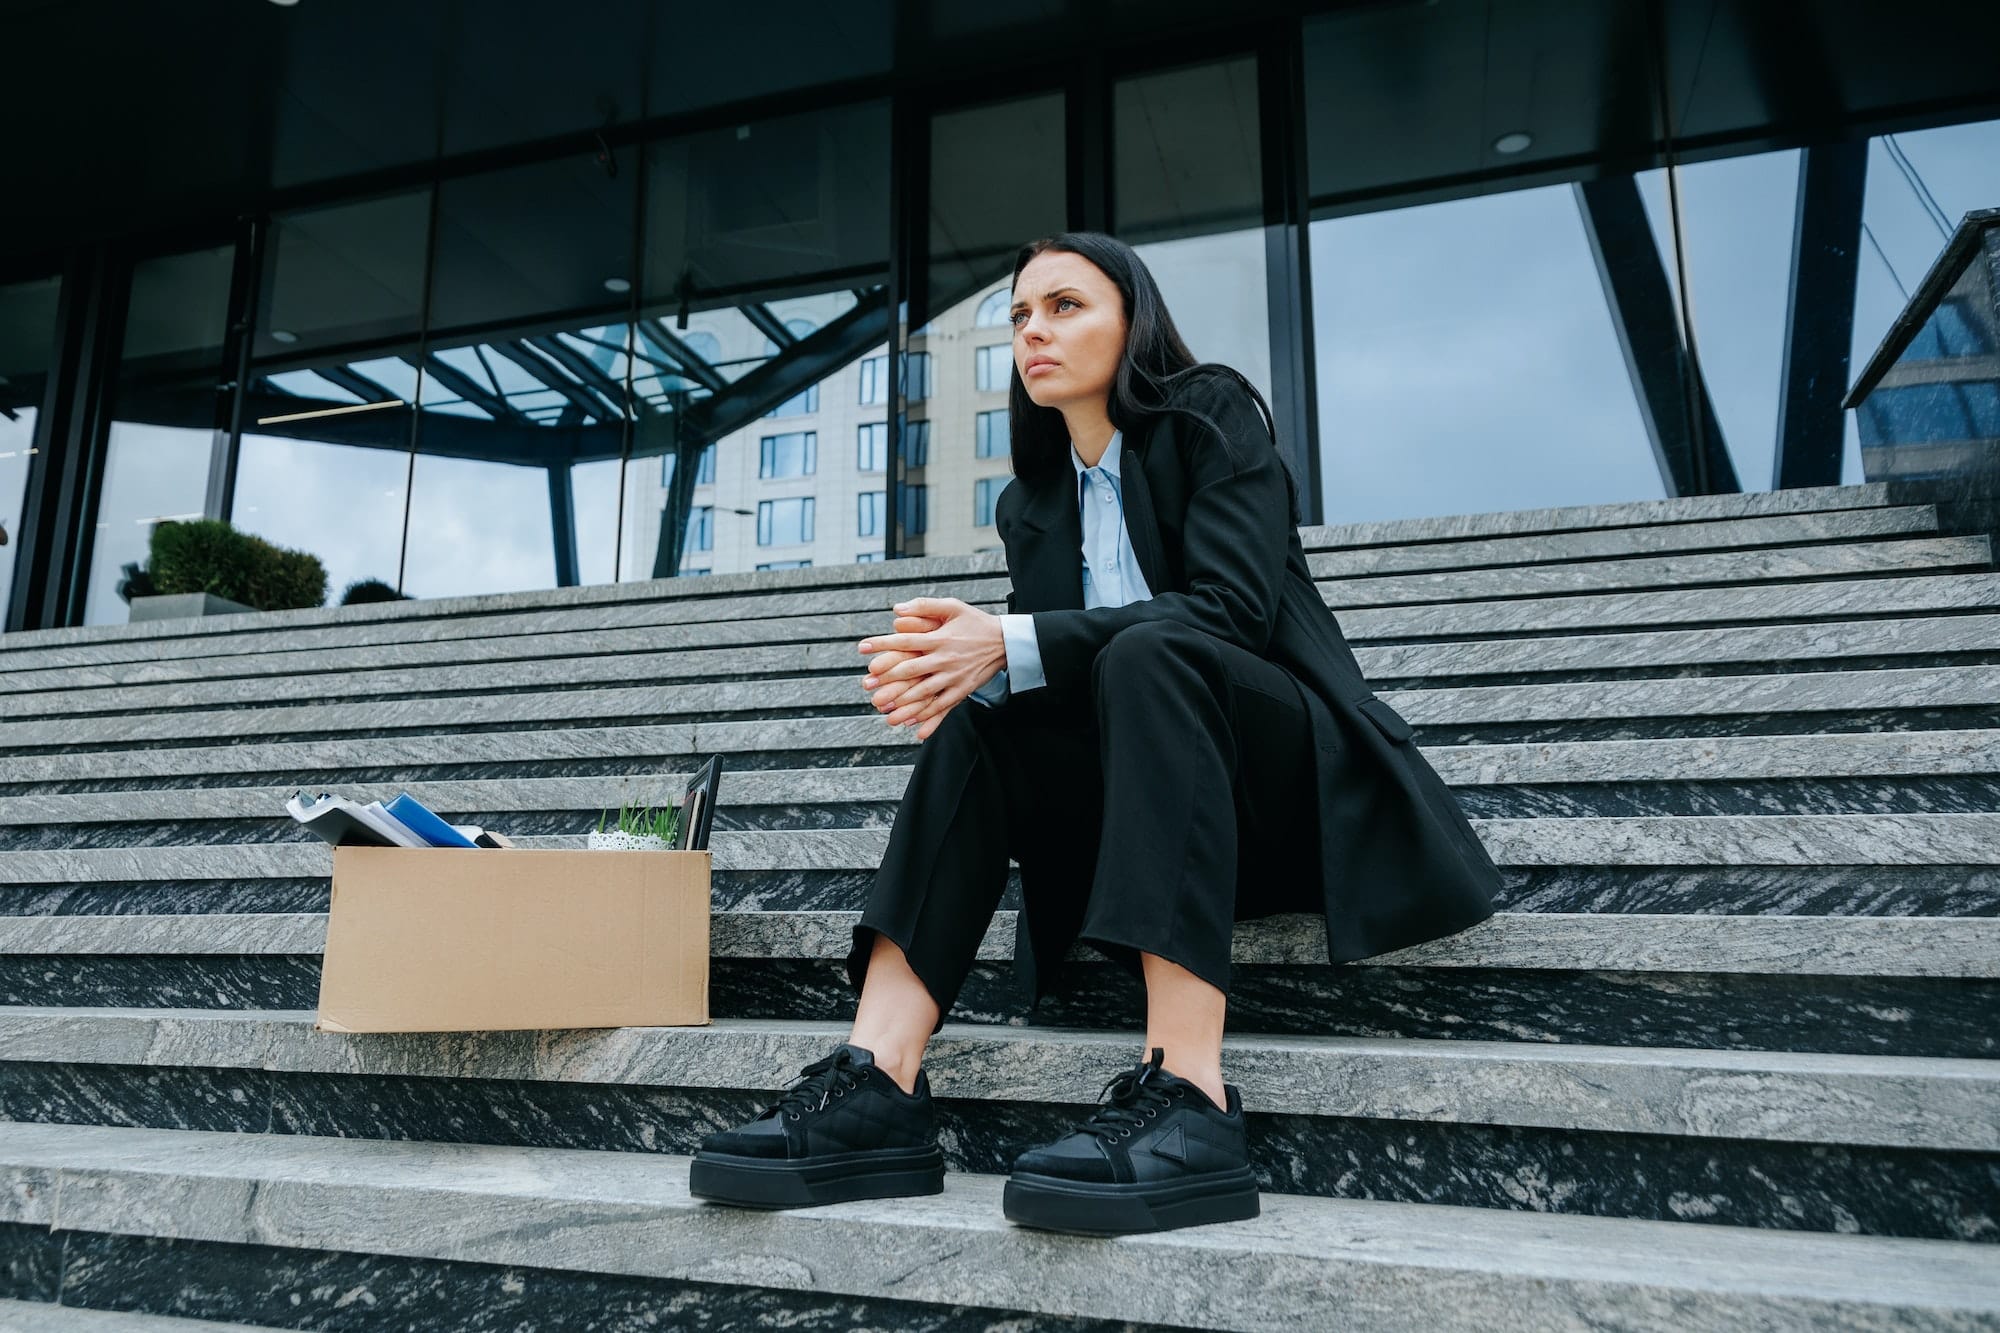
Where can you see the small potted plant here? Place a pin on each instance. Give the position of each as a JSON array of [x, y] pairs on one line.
[[643, 829], [203, 567]]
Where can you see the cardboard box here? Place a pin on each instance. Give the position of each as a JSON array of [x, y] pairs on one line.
[[441, 939]]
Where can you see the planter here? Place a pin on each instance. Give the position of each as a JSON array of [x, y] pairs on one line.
[[617, 840], [173, 606]]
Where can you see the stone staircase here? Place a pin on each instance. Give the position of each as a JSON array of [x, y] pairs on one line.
[[1726, 1057]]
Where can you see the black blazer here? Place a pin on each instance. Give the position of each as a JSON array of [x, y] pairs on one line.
[[1393, 861]]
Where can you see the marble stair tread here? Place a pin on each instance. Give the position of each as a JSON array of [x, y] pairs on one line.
[[889, 574], [1929, 1102], [1663, 609], [1932, 754], [1894, 839], [30, 1316], [515, 635], [1389, 1266], [1431, 611], [1897, 946], [1764, 693], [1657, 759], [45, 1317], [644, 656], [1675, 759], [1776, 566], [1343, 585], [488, 639]]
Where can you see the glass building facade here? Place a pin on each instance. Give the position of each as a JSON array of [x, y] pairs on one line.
[[475, 298]]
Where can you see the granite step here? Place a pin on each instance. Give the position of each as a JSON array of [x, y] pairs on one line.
[[34, 1316], [1851, 773], [1606, 708], [1345, 585], [263, 1222], [115, 777], [1897, 838], [1886, 1145], [1897, 864], [842, 612], [887, 575], [1813, 603], [1830, 984], [1961, 947], [623, 657]]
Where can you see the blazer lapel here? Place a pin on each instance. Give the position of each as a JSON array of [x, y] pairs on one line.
[[1136, 494], [1051, 576]]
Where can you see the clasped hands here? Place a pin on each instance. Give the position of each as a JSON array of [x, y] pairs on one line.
[[940, 650]]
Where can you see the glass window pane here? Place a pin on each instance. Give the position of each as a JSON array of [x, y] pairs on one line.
[[794, 205], [986, 494], [167, 416], [991, 438], [27, 346], [872, 513], [996, 181], [1478, 277], [525, 378], [1920, 183], [1736, 227], [325, 454]]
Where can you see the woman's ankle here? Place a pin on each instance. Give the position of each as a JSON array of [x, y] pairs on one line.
[[898, 1066]]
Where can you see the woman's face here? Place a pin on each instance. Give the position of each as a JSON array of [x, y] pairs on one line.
[[1069, 329]]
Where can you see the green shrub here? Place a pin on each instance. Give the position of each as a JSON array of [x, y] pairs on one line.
[[208, 555], [371, 590]]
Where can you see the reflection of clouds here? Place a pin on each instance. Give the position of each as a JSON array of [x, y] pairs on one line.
[[1736, 219], [478, 527], [1467, 363], [149, 471], [1213, 287], [17, 436], [341, 502], [594, 492], [1467, 360]]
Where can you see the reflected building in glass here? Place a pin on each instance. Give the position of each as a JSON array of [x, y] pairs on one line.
[[473, 301]]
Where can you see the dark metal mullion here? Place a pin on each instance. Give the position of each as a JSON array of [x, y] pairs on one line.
[[464, 386], [245, 286], [690, 366], [769, 324], [1288, 260], [59, 510], [907, 286], [591, 380], [356, 383], [545, 374], [1087, 134], [1819, 314], [1668, 389]]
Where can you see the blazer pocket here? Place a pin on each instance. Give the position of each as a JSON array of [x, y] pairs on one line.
[[1386, 719]]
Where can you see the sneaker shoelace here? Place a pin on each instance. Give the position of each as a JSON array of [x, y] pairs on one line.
[[1135, 1099], [819, 1083]]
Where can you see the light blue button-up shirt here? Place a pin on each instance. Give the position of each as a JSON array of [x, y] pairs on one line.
[[1111, 574]]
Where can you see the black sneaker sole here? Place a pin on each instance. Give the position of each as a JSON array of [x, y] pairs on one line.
[[1103, 1209], [769, 1182]]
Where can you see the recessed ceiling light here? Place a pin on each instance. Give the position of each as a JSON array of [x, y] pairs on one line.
[[283, 336], [284, 4], [617, 284], [1515, 142]]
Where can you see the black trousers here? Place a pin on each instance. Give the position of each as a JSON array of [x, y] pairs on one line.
[[1148, 814]]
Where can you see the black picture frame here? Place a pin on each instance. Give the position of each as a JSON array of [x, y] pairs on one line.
[[698, 807]]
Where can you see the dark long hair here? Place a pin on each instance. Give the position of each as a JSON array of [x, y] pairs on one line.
[[1153, 364]]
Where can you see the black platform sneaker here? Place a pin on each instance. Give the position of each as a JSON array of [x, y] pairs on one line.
[[847, 1131], [1160, 1155]]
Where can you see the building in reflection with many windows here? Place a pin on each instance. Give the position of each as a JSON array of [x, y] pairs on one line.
[[472, 298]]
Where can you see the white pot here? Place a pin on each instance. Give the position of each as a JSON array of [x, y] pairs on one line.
[[617, 840]]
